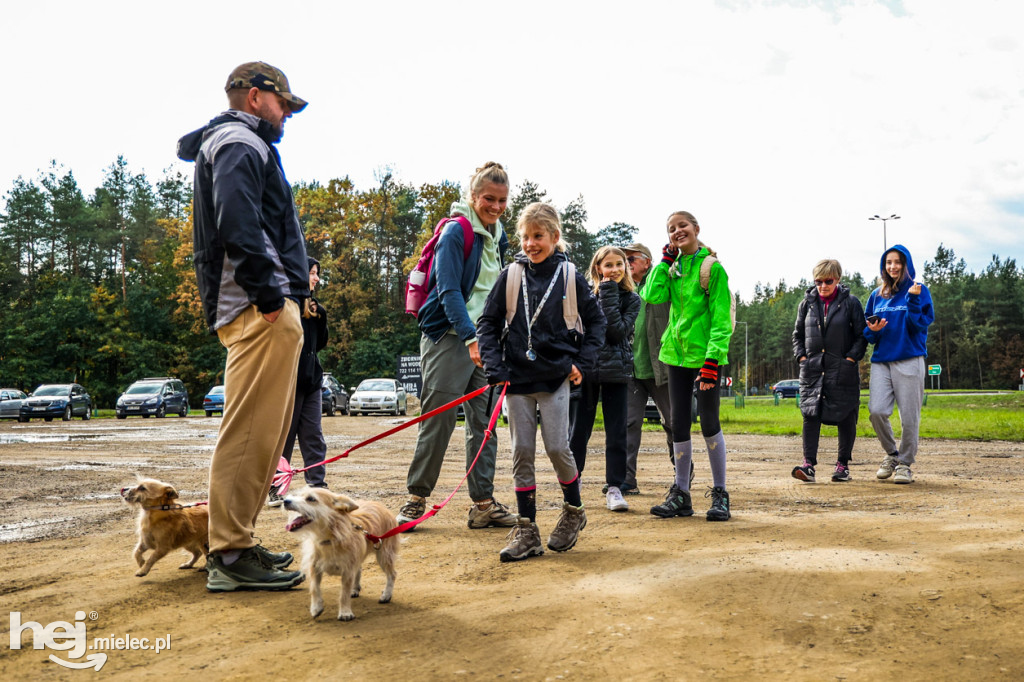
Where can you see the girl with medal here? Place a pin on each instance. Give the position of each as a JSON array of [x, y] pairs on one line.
[[614, 288], [538, 355]]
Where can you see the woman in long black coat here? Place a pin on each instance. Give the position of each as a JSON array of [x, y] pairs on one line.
[[828, 342]]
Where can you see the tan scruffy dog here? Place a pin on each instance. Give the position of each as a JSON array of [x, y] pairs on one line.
[[334, 544], [164, 525]]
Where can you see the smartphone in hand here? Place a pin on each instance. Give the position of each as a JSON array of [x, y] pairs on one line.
[[873, 318]]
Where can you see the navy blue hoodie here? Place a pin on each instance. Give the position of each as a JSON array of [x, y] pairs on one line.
[[907, 316]]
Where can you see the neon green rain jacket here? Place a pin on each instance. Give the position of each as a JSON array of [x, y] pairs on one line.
[[699, 325]]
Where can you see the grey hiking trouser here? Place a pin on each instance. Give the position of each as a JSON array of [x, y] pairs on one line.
[[448, 373], [306, 425], [554, 429], [900, 382], [637, 393]]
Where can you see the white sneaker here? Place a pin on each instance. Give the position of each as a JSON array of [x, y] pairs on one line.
[[887, 466], [903, 474], [615, 500]]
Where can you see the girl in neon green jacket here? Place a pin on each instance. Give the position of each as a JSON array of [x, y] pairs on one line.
[[695, 345]]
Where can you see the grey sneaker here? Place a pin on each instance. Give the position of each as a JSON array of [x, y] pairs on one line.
[[887, 466], [523, 542], [494, 515], [570, 522], [903, 474], [274, 499], [278, 560], [413, 509], [615, 500], [248, 572]]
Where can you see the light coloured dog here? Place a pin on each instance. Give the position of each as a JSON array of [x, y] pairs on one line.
[[333, 542], [163, 525]]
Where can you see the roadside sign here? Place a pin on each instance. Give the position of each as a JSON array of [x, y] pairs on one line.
[[1022, 373], [728, 381], [409, 374], [934, 370]]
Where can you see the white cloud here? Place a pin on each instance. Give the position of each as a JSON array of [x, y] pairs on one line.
[[781, 125]]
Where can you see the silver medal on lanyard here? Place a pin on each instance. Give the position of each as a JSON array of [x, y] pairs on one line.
[[531, 355]]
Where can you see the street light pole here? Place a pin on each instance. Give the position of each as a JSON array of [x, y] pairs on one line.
[[746, 329], [885, 239]]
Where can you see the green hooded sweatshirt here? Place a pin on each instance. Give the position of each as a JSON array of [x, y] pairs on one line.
[[699, 325], [490, 260]]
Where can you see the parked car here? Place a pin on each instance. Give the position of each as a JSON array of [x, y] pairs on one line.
[[214, 401], [10, 402], [652, 415], [153, 396], [789, 388], [335, 398], [56, 400], [378, 395]]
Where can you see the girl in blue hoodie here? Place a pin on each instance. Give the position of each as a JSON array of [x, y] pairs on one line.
[[898, 315]]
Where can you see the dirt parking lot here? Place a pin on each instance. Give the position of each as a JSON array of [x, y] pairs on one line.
[[863, 580]]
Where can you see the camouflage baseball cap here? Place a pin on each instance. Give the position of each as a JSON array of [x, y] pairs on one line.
[[264, 77]]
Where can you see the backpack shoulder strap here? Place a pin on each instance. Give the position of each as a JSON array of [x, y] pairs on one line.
[[570, 307], [467, 235], [705, 274], [513, 281]]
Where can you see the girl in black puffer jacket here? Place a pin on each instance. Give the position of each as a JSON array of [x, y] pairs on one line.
[[828, 341], [609, 381]]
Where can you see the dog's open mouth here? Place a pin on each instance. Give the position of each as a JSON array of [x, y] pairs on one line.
[[297, 523]]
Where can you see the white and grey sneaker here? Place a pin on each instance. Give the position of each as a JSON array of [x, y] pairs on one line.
[[615, 500], [903, 474], [887, 466]]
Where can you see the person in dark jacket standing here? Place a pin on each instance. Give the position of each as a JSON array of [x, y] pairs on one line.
[[620, 304], [250, 261], [308, 411], [650, 375], [450, 354], [828, 342]]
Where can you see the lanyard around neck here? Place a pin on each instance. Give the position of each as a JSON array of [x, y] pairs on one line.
[[526, 309]]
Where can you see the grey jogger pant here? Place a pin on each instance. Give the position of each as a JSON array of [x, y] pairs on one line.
[[900, 382], [554, 430], [306, 425], [448, 373], [637, 393]]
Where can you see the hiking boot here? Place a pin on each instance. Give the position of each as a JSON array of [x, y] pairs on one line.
[[842, 473], [719, 504], [413, 509], [274, 499], [494, 515], [887, 466], [804, 473], [248, 572], [615, 500], [278, 560], [523, 542], [903, 474], [570, 522], [630, 490], [677, 503]]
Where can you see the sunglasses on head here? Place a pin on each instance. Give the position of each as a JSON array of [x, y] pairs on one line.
[[824, 282]]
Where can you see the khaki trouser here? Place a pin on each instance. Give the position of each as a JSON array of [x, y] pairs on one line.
[[259, 393]]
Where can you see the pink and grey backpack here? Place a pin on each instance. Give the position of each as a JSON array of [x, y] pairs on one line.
[[419, 279]]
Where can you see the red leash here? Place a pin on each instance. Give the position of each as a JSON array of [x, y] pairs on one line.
[[375, 539], [285, 472]]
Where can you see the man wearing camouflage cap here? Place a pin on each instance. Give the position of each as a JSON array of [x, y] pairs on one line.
[[250, 262]]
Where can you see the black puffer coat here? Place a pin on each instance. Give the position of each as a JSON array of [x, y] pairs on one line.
[[615, 360], [829, 383]]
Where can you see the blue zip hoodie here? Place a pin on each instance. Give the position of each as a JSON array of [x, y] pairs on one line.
[[907, 316]]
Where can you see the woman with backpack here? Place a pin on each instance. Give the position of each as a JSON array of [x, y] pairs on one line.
[[695, 346], [450, 363]]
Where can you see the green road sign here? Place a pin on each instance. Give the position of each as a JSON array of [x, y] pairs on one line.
[[934, 370]]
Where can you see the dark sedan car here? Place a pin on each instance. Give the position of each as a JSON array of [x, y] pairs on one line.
[[790, 388], [56, 400], [10, 402], [335, 397]]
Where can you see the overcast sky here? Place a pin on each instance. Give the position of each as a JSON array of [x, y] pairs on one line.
[[781, 124]]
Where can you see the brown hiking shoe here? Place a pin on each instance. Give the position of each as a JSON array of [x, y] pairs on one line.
[[570, 522], [493, 515], [523, 542]]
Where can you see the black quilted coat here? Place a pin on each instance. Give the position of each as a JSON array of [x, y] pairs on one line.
[[615, 359], [829, 383]]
